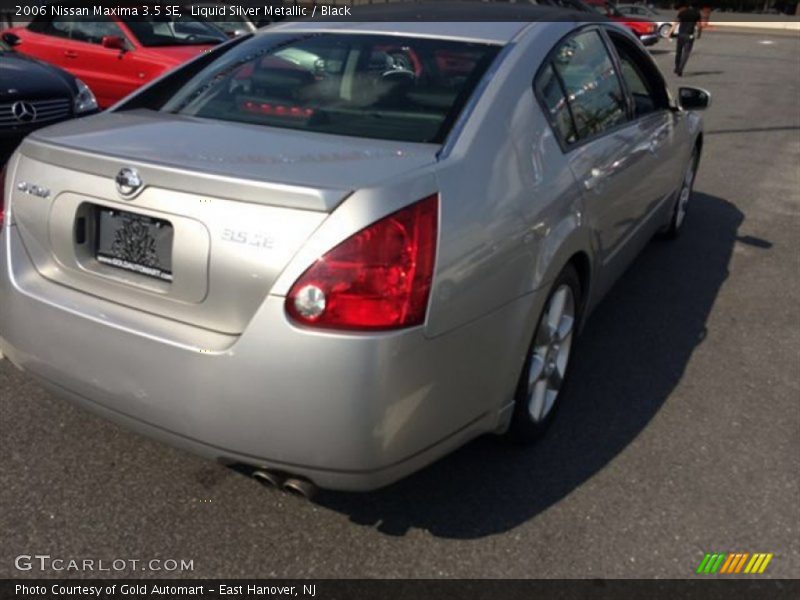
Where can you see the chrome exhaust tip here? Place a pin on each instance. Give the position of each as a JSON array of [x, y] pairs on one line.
[[300, 487], [268, 478]]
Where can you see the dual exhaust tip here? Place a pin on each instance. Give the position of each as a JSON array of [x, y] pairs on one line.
[[298, 486]]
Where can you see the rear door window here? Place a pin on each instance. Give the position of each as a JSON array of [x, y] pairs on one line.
[[592, 87], [551, 94]]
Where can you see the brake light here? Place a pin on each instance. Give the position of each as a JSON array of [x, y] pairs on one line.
[[377, 279], [277, 110]]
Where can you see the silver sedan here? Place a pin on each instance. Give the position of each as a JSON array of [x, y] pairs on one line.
[[333, 253]]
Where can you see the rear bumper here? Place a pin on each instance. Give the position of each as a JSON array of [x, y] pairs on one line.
[[351, 412]]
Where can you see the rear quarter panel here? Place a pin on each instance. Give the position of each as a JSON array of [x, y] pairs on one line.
[[511, 211]]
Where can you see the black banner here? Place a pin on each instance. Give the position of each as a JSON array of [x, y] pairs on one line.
[[17, 12], [324, 589]]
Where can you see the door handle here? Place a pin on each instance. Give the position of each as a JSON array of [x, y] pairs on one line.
[[655, 143], [595, 178], [599, 174], [657, 140], [70, 54]]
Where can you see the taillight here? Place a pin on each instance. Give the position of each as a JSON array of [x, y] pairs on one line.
[[379, 278]]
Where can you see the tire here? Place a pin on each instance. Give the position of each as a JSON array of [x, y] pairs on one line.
[[545, 373], [663, 31], [683, 200]]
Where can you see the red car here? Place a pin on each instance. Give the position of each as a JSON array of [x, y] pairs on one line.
[[116, 55], [645, 30]]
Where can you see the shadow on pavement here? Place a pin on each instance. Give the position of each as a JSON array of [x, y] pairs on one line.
[[701, 73], [752, 130], [632, 354]]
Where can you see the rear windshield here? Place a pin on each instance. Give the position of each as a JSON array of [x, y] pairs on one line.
[[373, 86]]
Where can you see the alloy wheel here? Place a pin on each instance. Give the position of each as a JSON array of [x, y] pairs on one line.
[[685, 194], [550, 353]]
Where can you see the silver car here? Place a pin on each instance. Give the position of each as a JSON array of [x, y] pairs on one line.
[[336, 270]]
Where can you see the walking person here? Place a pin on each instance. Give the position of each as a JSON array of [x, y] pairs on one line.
[[686, 28]]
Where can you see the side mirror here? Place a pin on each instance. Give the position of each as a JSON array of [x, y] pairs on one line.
[[692, 98], [12, 39], [113, 42]]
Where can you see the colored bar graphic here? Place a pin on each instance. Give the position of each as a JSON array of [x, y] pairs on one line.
[[733, 563], [703, 563], [741, 562], [764, 564], [734, 560], [754, 563], [727, 565], [718, 562], [711, 562]]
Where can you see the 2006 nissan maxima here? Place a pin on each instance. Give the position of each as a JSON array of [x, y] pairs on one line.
[[336, 252]]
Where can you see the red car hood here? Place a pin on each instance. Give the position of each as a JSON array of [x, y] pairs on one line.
[[175, 55], [637, 24]]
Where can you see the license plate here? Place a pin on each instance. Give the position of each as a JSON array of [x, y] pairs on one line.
[[135, 243]]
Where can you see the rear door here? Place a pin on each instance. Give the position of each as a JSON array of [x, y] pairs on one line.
[[606, 150]]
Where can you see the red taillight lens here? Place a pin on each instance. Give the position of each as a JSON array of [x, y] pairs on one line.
[[379, 278]]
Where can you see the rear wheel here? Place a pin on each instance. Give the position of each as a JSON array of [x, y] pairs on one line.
[[684, 196], [663, 31], [544, 375]]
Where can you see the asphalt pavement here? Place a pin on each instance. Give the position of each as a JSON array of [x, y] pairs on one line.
[[680, 435]]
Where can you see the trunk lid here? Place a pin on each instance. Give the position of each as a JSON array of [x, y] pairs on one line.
[[207, 149], [241, 201]]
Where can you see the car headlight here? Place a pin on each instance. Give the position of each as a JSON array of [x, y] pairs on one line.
[[85, 100]]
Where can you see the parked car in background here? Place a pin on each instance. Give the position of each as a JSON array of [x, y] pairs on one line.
[[336, 270], [116, 55], [231, 24], [645, 12], [645, 29], [34, 94]]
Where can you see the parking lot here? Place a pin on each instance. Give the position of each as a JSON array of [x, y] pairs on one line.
[[680, 435]]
